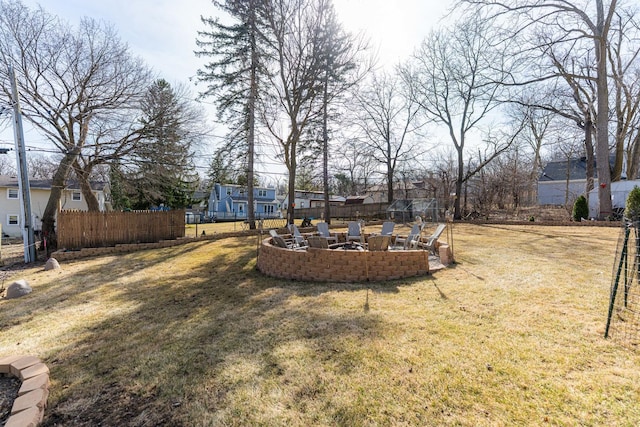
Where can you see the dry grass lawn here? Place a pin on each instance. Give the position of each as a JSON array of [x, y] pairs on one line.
[[195, 336]]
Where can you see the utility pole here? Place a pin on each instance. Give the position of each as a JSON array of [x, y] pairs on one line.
[[23, 175]]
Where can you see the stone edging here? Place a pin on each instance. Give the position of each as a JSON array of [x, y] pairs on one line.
[[28, 407], [65, 255]]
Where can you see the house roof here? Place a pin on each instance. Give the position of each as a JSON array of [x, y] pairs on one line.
[[309, 195], [559, 170], [45, 184], [356, 200], [315, 196], [577, 169], [398, 186]]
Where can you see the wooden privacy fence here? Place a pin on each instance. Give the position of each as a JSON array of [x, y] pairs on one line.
[[78, 229]]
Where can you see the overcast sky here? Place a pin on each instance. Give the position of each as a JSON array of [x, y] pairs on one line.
[[163, 32]]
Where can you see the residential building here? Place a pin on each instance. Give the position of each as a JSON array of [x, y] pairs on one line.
[[561, 182], [311, 199], [619, 192], [358, 200], [228, 202], [401, 190], [10, 205]]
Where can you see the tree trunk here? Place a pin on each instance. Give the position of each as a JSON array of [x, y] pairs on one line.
[[251, 106], [325, 147], [292, 195], [618, 164], [590, 160], [457, 212], [57, 185], [85, 188], [634, 157], [602, 119], [390, 186]]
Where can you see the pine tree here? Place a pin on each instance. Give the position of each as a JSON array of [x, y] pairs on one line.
[[233, 76], [118, 188], [338, 52], [161, 168]]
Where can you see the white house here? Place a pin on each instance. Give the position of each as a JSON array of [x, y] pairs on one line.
[[619, 192], [561, 182], [72, 198], [311, 199]]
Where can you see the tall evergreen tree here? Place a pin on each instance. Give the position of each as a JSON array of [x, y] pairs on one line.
[[338, 52], [118, 188], [233, 76], [161, 169]]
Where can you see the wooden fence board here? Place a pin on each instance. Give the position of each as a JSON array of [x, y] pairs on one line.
[[79, 229]]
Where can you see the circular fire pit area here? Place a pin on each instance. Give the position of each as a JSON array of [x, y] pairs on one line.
[[339, 264]]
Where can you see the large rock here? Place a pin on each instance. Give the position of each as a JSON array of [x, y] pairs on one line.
[[17, 289], [52, 264]]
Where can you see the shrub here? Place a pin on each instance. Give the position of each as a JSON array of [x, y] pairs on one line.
[[580, 209], [632, 207]]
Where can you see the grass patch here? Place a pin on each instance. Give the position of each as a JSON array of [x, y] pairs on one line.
[[193, 335]]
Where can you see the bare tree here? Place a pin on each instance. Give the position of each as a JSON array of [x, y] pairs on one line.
[[542, 122], [566, 148], [290, 104], [566, 98], [7, 165], [233, 77], [457, 76], [440, 177], [80, 89], [570, 22], [625, 71], [356, 168], [387, 118], [576, 100], [41, 166]]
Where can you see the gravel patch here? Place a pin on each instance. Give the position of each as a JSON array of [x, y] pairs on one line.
[[9, 386]]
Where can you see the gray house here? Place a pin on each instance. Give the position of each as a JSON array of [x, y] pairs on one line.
[[561, 182]]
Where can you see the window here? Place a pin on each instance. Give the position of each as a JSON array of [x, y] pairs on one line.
[[228, 191], [76, 196], [240, 208], [12, 193], [262, 193], [12, 219]]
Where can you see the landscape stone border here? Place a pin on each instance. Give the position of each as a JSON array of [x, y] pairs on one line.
[[28, 407], [66, 255], [323, 265]]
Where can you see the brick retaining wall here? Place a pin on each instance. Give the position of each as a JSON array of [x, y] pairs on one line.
[[339, 265]]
